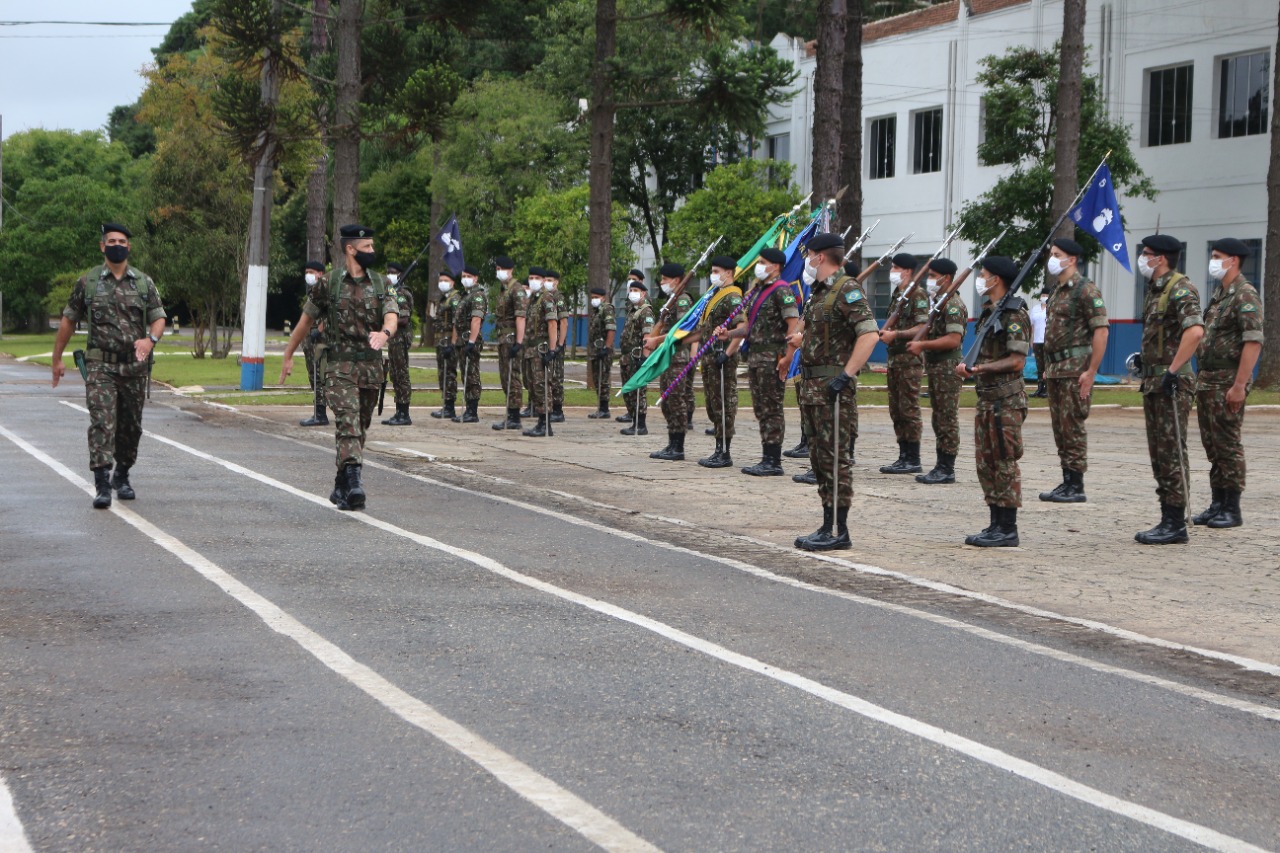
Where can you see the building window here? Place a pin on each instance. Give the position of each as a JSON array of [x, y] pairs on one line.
[[883, 135], [1169, 105], [926, 143], [1243, 94], [779, 147]]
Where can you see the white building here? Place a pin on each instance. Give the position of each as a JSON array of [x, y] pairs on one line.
[[1190, 78]]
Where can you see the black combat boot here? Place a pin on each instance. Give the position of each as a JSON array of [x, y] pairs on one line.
[[624, 418], [338, 497], [709, 431], [1215, 507], [1074, 492], [823, 539], [355, 489], [853, 446], [713, 461], [400, 418], [102, 482], [1172, 529], [944, 471], [828, 516], [688, 423], [639, 427], [527, 411], [1057, 490], [1003, 532], [913, 458], [770, 465], [800, 451], [808, 477], [468, 415], [320, 418], [601, 413], [120, 482], [899, 466], [446, 411], [670, 453], [512, 414], [557, 415], [842, 542], [1228, 516], [538, 430]]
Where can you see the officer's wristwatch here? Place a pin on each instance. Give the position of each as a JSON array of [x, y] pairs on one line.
[[386, 332], [154, 339]]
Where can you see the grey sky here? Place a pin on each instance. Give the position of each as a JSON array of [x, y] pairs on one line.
[[70, 77]]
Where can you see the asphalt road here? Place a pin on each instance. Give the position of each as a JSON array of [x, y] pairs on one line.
[[228, 663]]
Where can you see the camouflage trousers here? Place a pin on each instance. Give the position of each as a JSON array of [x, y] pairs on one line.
[[469, 367], [115, 413], [509, 370], [997, 433], [1041, 364], [679, 402], [313, 368], [904, 377], [352, 390], [767, 392], [600, 377], [398, 358], [556, 381], [638, 400], [722, 400], [447, 374], [817, 414], [1167, 444], [944, 406], [539, 377], [1067, 414], [1220, 435], [526, 376]]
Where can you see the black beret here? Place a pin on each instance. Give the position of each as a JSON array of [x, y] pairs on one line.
[[536, 271], [906, 261], [448, 273], [1231, 246], [394, 267], [355, 232], [598, 291], [943, 266], [671, 270], [637, 273], [1165, 244], [551, 274], [1071, 247], [470, 270], [826, 241], [774, 256], [637, 285], [853, 268], [1001, 266], [724, 262], [313, 265], [108, 227], [502, 262]]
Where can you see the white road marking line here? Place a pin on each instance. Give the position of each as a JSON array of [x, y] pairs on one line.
[[13, 838], [558, 802], [949, 740]]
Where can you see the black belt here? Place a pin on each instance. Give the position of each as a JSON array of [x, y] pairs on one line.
[[354, 355], [1219, 364], [1068, 353], [107, 356], [1001, 390], [821, 371]]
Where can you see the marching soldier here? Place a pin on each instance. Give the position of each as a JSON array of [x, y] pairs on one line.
[[313, 272], [1075, 339], [941, 350], [835, 338], [1227, 355], [564, 315], [1172, 330], [600, 332], [542, 326], [720, 364], [905, 369], [509, 315], [125, 319], [678, 401], [361, 316], [637, 327], [446, 350], [1002, 404], [398, 348], [469, 316]]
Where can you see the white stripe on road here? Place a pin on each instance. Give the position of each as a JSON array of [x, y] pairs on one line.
[[13, 839], [949, 740], [556, 801]]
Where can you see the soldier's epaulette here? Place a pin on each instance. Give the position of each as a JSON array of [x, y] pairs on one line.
[[1015, 303]]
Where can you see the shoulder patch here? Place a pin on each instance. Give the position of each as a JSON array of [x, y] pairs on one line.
[[788, 299], [1097, 303], [853, 296], [920, 303], [735, 300], [1180, 292], [953, 310], [1247, 307], [1015, 327]]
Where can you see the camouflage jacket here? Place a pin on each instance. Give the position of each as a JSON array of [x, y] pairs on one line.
[[120, 311], [471, 304], [952, 319], [404, 303], [358, 311], [914, 312], [1012, 335], [679, 353], [1162, 330], [716, 315], [511, 303], [768, 334], [1233, 318], [541, 311], [639, 323], [447, 316], [836, 315], [1074, 311], [601, 322]]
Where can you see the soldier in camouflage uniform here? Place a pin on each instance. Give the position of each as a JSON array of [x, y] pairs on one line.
[[940, 347], [772, 316], [601, 328], [905, 369], [542, 326], [468, 319], [125, 319], [534, 293], [1075, 339], [398, 348], [446, 349], [313, 272], [1172, 330], [678, 401], [564, 315], [361, 316], [720, 363], [1002, 404], [509, 313], [836, 337], [1227, 355], [637, 326]]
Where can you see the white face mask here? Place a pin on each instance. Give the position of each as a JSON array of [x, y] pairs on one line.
[[445, 285], [1054, 266], [392, 278], [312, 278], [715, 279], [1144, 266], [666, 289], [932, 285], [468, 282], [504, 275], [982, 285], [1217, 268], [810, 271], [895, 278], [636, 296], [761, 271], [595, 302], [535, 284], [549, 284]]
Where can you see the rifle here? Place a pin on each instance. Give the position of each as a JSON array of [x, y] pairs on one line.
[[935, 305], [865, 274], [858, 244], [1012, 293], [386, 370], [907, 292], [664, 314]]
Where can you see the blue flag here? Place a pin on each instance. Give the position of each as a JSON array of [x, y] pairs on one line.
[[451, 238], [1098, 214]]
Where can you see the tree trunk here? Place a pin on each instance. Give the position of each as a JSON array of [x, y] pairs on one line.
[[346, 127], [849, 208], [826, 99], [318, 180], [1066, 150], [1269, 377], [600, 174], [435, 253]]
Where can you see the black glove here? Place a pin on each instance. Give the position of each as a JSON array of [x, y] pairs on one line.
[[314, 334], [721, 357], [471, 347], [560, 353], [836, 386], [548, 357], [1169, 383], [447, 350], [516, 346], [602, 352]]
